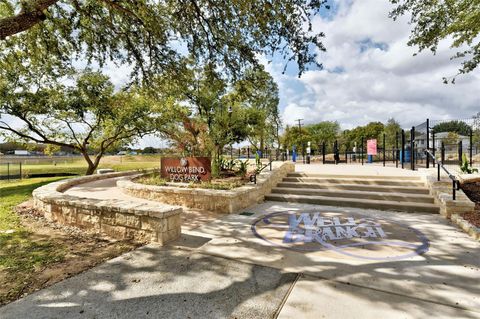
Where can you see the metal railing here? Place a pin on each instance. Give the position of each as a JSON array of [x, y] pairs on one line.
[[253, 177], [455, 182]]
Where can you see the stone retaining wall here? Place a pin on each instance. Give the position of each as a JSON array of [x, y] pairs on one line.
[[220, 201], [442, 192], [119, 219], [449, 208]]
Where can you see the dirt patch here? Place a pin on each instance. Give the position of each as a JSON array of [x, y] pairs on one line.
[[77, 250], [473, 217], [472, 190]]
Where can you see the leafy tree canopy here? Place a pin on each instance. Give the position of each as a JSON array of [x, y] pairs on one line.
[[151, 34], [391, 129], [86, 115], [434, 21], [323, 132], [149, 150], [293, 136], [258, 92], [458, 127], [372, 130], [215, 112]]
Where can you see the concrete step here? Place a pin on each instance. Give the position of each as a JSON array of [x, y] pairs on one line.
[[414, 198], [358, 187], [365, 188], [326, 180], [382, 177], [356, 203]]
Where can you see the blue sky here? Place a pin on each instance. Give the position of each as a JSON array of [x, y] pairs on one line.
[[370, 74]]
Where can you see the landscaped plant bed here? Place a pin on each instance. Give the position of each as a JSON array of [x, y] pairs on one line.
[[473, 217], [222, 183], [472, 190]]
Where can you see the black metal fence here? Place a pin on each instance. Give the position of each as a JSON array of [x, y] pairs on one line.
[[450, 141], [10, 171]]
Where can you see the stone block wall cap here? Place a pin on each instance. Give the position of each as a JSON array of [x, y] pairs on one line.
[[469, 178]]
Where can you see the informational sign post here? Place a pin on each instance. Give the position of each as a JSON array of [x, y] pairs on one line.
[[186, 169], [372, 147]]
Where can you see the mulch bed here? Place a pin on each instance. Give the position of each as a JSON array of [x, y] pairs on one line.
[[473, 217], [472, 190]]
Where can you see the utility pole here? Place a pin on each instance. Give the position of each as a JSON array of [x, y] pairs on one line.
[[300, 133]]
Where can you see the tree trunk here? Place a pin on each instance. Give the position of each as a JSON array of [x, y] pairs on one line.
[[262, 143], [92, 165], [91, 169]]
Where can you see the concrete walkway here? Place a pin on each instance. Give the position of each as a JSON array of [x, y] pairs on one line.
[[152, 282], [220, 268], [441, 283]]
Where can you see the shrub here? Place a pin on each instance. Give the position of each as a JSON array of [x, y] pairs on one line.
[[242, 167], [464, 167]]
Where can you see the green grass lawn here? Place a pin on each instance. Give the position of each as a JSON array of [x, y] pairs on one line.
[[20, 252], [79, 166]]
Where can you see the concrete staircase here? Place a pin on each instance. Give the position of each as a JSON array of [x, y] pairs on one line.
[[398, 193]]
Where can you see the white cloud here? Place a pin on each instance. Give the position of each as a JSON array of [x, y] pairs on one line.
[[377, 76]]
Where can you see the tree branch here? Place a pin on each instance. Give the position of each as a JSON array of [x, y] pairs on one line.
[[43, 140], [115, 5], [31, 14]]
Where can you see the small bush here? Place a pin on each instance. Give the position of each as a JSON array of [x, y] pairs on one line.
[[152, 179], [227, 185], [464, 167], [242, 167]]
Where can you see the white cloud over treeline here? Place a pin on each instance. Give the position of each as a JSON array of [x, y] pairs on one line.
[[370, 74]]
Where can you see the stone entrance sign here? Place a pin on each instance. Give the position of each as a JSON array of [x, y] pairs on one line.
[[347, 234], [186, 169]]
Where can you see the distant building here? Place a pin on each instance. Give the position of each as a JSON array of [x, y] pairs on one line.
[[21, 152], [421, 142]]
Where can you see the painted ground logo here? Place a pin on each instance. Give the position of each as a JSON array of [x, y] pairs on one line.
[[349, 234]]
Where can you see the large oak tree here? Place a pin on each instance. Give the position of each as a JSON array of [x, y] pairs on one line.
[[41, 40], [150, 34]]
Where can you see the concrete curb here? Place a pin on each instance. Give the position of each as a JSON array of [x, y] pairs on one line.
[[467, 227]]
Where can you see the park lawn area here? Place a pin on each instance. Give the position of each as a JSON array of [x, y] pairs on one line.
[[33, 254], [79, 166]]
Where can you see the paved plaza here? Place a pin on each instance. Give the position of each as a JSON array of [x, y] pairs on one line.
[[337, 262]]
